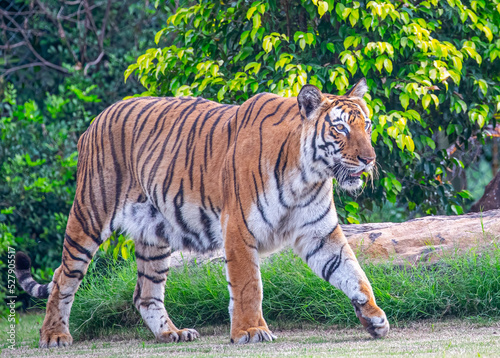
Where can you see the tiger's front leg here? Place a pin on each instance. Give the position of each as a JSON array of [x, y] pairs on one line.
[[332, 259], [245, 286]]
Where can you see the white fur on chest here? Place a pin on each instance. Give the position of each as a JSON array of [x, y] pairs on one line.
[[279, 219]]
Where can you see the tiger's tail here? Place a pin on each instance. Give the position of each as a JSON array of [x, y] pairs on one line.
[[26, 280]]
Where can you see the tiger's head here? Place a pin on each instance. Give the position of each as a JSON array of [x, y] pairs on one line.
[[337, 134]]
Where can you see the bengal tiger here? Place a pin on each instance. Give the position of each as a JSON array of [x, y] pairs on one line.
[[191, 174]]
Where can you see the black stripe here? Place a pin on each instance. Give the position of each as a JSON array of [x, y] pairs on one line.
[[77, 246], [73, 256], [332, 265], [152, 258], [43, 291], [277, 172], [150, 278], [321, 217], [259, 203], [24, 277], [316, 249], [30, 286]]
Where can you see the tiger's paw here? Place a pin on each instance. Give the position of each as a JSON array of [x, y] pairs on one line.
[[182, 335], [377, 325], [55, 339], [253, 335]]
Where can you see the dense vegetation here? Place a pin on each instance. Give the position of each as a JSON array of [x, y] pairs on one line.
[[433, 68]]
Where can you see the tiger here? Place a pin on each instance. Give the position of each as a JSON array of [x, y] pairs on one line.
[[187, 173]]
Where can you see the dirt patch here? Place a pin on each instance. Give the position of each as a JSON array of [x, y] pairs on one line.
[[449, 338]]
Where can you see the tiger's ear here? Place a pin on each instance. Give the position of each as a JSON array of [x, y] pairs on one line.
[[309, 99], [358, 90]]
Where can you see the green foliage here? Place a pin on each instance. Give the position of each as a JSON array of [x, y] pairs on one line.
[[459, 286], [38, 162], [432, 67], [119, 246]]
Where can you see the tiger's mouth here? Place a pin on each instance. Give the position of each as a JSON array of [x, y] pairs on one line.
[[348, 178], [357, 174]]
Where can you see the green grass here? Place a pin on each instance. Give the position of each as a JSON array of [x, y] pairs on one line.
[[459, 286], [27, 328]]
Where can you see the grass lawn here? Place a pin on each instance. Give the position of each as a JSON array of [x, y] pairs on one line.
[[449, 338]]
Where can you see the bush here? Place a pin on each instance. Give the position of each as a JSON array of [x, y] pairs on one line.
[[37, 172], [433, 69]]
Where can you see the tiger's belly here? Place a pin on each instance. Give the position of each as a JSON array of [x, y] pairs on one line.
[[187, 226]]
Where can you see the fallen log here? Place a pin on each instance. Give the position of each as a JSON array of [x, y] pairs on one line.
[[423, 238], [412, 241]]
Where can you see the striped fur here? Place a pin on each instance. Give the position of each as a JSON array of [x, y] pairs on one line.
[[188, 173]]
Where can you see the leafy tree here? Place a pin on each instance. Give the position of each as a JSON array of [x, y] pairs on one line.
[[85, 42], [433, 70]]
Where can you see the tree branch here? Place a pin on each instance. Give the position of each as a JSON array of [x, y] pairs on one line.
[[28, 44], [93, 63], [28, 65], [60, 29], [103, 27]]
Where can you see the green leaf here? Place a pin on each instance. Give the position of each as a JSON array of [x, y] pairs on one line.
[[465, 194], [367, 22], [379, 63], [397, 185], [400, 141], [458, 210], [404, 41], [250, 12], [388, 65], [393, 131], [267, 44], [409, 143], [322, 8], [158, 35], [125, 252], [404, 98], [221, 93], [330, 47], [483, 86], [302, 43], [348, 41], [309, 38], [256, 21], [430, 143], [426, 101]]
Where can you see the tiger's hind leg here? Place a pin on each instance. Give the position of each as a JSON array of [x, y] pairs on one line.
[[80, 245], [152, 267]]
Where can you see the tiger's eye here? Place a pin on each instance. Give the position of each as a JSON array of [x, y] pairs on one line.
[[339, 127]]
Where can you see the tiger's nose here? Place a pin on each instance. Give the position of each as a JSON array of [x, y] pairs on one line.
[[366, 160]]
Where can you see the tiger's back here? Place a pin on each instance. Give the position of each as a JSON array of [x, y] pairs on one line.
[[155, 162]]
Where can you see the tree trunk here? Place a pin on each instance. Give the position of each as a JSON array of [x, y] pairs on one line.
[[491, 197]]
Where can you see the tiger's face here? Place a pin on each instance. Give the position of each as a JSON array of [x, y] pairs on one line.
[[338, 134]]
